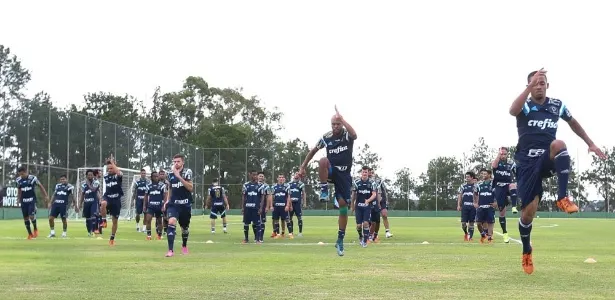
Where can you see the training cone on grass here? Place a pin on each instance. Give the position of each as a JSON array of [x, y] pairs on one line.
[[425, 243], [590, 261], [209, 242]]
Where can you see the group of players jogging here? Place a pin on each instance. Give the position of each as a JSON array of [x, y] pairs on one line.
[[539, 155]]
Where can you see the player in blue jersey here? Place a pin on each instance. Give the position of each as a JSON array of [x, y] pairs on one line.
[[540, 155], [217, 201], [265, 203], [155, 196], [89, 200], [465, 204], [296, 190], [364, 192], [111, 203], [138, 194], [505, 188], [26, 198], [484, 202], [162, 176], [336, 168], [59, 205], [250, 206], [281, 206], [178, 206]]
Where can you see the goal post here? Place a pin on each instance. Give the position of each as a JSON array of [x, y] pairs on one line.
[[127, 211]]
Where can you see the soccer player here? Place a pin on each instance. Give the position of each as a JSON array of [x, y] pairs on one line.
[[296, 190], [364, 191], [155, 196], [26, 198], [266, 203], [111, 203], [140, 188], [178, 206], [162, 176], [539, 154], [504, 187], [250, 206], [89, 201], [98, 224], [59, 205], [465, 204], [281, 207], [336, 168], [384, 206], [217, 201], [484, 202]]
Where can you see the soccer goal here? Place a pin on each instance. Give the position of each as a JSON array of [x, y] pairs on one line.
[[130, 176]]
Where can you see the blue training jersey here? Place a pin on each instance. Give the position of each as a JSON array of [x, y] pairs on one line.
[[339, 149], [363, 190], [504, 172], [537, 127], [90, 194], [295, 188], [252, 193], [280, 194], [113, 186], [140, 187], [155, 194], [467, 194], [217, 194], [485, 193], [61, 194], [27, 186], [180, 196]]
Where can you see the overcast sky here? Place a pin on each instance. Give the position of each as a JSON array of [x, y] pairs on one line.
[[416, 79]]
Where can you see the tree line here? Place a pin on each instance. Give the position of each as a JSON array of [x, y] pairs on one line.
[[198, 117]]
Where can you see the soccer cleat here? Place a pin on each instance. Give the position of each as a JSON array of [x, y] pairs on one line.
[[138, 229], [283, 234], [377, 240], [185, 250], [566, 205], [63, 234], [291, 236], [244, 241], [213, 232], [490, 240], [527, 263], [273, 235], [466, 237], [90, 234], [30, 236], [276, 236], [388, 235], [506, 238], [104, 224], [225, 232], [51, 235], [35, 234], [514, 210], [148, 238], [111, 243], [159, 237], [169, 253], [324, 193], [339, 245], [482, 239], [300, 234]]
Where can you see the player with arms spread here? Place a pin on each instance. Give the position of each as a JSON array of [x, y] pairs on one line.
[[179, 203], [336, 168], [503, 171], [540, 155], [140, 188], [26, 197], [59, 205], [296, 189], [153, 200], [217, 201], [112, 199], [465, 204]]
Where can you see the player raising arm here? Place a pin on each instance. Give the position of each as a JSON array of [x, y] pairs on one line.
[[112, 199], [539, 154]]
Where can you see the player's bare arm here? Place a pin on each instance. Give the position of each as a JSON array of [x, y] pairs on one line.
[[371, 198], [207, 202], [496, 161], [459, 197], [353, 198], [517, 105], [226, 203], [580, 132], [475, 198], [288, 203], [243, 201], [351, 132], [167, 198], [303, 199], [43, 190], [145, 202], [53, 198]]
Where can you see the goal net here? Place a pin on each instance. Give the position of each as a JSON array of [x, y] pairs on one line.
[[129, 177]]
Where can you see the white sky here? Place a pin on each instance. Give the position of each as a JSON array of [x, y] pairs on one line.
[[416, 79]]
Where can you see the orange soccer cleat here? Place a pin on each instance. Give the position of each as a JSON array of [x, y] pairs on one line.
[[35, 234], [482, 239], [466, 237], [30, 236], [527, 263], [566, 205], [111, 243]]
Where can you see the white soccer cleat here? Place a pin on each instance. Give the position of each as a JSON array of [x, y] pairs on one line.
[[300, 234], [213, 232], [63, 234], [51, 235], [389, 235]]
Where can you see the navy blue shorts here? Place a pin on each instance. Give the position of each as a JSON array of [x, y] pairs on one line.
[[114, 206], [263, 217], [297, 209], [59, 211], [217, 210], [90, 209], [28, 208], [468, 213], [530, 174], [182, 213], [342, 181], [485, 215], [375, 215], [139, 205], [501, 195], [155, 211], [279, 213], [362, 214], [384, 204], [251, 216]]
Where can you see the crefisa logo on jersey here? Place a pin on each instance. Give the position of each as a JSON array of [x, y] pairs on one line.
[[338, 150], [10, 197], [542, 124]]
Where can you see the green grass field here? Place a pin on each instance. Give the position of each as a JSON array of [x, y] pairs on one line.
[[400, 267]]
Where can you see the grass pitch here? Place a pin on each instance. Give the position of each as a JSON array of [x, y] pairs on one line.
[[401, 267]]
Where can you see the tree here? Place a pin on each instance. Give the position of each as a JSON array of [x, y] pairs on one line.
[[480, 156], [402, 190], [601, 175], [366, 157], [437, 187]]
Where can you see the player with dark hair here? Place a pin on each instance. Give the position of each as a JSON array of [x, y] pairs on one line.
[[503, 171], [540, 155], [484, 202], [250, 206], [217, 201], [139, 191], [364, 191], [111, 203], [59, 205], [281, 206], [162, 176], [266, 204], [336, 168], [155, 196], [98, 224], [26, 198], [178, 206], [296, 189], [89, 200], [465, 204]]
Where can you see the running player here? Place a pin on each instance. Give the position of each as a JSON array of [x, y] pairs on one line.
[[250, 205], [484, 202], [504, 187], [178, 206], [217, 195], [281, 206], [297, 197], [155, 196], [59, 205], [90, 201], [140, 188], [364, 191], [336, 168], [539, 154], [111, 203], [465, 204], [26, 198]]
